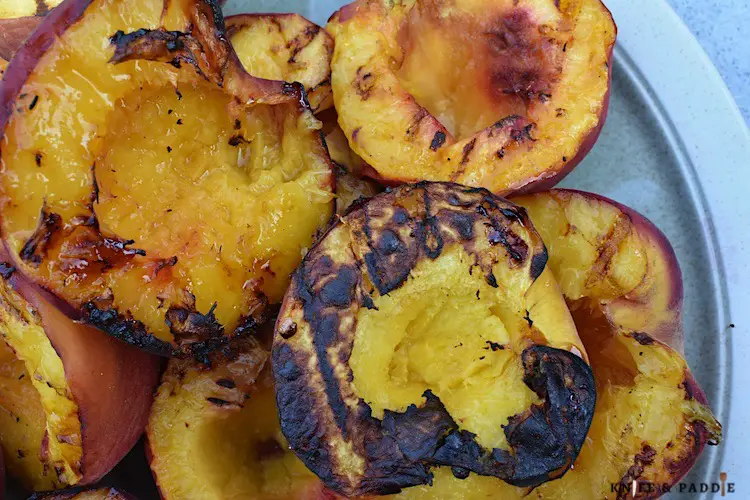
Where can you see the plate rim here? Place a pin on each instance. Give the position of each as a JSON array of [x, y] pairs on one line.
[[680, 80]]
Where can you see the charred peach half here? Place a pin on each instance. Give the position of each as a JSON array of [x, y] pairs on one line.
[[509, 95], [424, 331], [214, 434], [285, 47], [84, 494], [73, 400], [621, 280], [163, 194]]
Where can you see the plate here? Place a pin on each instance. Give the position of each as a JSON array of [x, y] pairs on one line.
[[676, 149]]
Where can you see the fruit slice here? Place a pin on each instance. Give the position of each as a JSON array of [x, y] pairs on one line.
[[285, 47], [89, 494], [622, 282], [509, 95], [163, 193], [214, 434], [425, 330], [621, 278], [73, 400]]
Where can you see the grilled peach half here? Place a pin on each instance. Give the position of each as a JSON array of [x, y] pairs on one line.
[[285, 47], [508, 95], [74, 401], [622, 283], [425, 332], [214, 434], [606, 252], [164, 195]]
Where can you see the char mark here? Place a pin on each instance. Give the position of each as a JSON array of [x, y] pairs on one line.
[[437, 140]]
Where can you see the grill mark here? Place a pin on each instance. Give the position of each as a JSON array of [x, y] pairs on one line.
[[437, 140], [42, 9], [299, 42], [226, 383], [416, 120], [467, 151], [607, 247], [34, 251], [364, 83]]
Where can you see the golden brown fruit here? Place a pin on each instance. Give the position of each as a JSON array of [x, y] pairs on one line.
[[3, 66], [214, 434], [86, 494], [622, 282], [506, 95], [606, 252], [175, 205], [74, 400], [285, 47], [422, 323]]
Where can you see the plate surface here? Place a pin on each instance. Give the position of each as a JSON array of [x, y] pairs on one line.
[[676, 149]]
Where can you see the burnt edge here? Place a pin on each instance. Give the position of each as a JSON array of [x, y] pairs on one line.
[[126, 329], [206, 36], [401, 449], [195, 334], [202, 336], [642, 338], [35, 249]]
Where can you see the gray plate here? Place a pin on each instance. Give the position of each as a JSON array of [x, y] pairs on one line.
[[676, 149]]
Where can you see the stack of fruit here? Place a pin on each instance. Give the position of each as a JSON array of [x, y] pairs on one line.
[[308, 223]]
